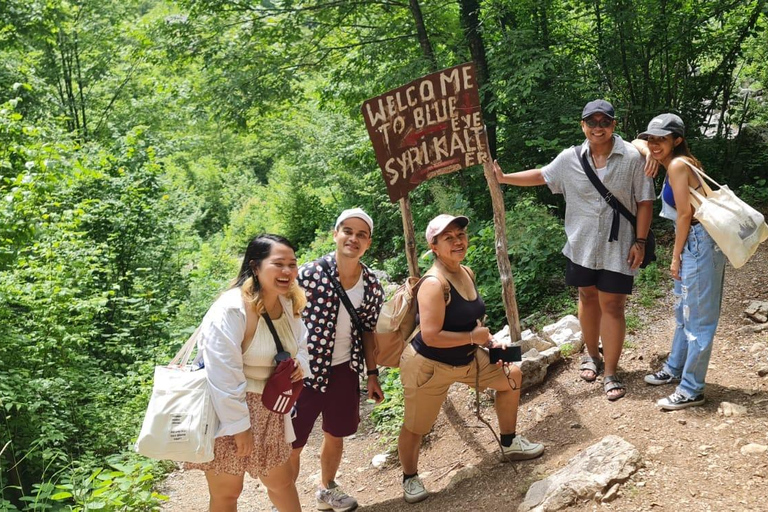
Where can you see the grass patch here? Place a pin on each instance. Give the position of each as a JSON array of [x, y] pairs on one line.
[[388, 415], [566, 350], [634, 322]]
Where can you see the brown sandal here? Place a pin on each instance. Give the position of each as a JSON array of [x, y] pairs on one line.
[[590, 364], [612, 383]]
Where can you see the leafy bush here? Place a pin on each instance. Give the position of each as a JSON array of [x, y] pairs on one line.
[[125, 486], [87, 293], [388, 415], [535, 239], [755, 193]]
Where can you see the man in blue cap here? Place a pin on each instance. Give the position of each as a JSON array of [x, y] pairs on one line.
[[603, 254]]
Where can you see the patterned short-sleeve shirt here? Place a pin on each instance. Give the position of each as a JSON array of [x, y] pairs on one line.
[[320, 318]]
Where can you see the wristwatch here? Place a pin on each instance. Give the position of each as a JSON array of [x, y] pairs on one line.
[[373, 372]]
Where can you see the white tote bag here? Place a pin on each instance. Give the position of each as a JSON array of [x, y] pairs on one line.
[[737, 228], [180, 422]]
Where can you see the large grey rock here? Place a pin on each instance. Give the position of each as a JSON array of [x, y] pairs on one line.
[[757, 311], [537, 355], [534, 365], [731, 409], [565, 330], [459, 475], [528, 340], [591, 472]]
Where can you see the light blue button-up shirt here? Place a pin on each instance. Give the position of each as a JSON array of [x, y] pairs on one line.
[[588, 217]]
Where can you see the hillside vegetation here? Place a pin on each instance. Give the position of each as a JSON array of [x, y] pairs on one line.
[[143, 142]]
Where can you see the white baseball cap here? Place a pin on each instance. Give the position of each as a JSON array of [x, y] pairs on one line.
[[354, 212]]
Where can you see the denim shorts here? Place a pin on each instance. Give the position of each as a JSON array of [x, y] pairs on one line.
[[339, 405], [605, 280]]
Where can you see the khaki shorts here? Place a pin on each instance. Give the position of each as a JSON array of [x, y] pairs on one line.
[[426, 383]]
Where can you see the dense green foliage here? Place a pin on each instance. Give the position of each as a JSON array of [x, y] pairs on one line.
[[143, 142]]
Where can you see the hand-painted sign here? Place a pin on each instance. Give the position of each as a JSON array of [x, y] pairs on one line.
[[428, 127]]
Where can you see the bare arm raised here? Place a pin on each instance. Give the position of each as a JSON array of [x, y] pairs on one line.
[[529, 178]]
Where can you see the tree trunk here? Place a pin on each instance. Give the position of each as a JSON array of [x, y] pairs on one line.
[[469, 12], [76, 52], [424, 42]]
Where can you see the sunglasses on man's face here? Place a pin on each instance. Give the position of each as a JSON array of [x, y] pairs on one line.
[[602, 123]]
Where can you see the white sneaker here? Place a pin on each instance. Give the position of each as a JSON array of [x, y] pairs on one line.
[[676, 401], [414, 490], [333, 498], [521, 449]]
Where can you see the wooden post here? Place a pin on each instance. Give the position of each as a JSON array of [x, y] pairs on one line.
[[502, 253], [410, 236]]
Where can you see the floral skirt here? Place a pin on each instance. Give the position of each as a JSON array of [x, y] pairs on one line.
[[269, 446]]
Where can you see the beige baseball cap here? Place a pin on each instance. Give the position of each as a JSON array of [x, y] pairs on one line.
[[439, 223]]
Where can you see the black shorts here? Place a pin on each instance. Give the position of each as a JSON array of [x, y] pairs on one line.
[[605, 280]]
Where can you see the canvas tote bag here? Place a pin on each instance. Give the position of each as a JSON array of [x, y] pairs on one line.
[[180, 423], [737, 228]]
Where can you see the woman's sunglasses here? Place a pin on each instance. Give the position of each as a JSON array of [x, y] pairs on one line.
[[603, 123]]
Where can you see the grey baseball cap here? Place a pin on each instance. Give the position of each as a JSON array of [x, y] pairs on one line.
[[663, 125], [598, 107]]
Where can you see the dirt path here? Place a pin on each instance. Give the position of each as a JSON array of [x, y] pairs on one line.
[[692, 458]]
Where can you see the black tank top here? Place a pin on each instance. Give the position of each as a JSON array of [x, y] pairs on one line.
[[461, 315]]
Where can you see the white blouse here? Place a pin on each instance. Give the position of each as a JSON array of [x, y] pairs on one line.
[[259, 357], [230, 372]]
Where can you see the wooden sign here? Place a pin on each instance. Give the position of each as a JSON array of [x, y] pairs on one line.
[[428, 127]]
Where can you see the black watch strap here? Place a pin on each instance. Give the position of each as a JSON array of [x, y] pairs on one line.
[[373, 372]]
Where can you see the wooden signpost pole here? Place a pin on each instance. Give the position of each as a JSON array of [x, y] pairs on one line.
[[502, 253], [410, 236]]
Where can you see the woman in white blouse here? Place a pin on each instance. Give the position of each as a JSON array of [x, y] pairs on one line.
[[238, 352]]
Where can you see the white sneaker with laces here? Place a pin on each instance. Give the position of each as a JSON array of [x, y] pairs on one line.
[[333, 498], [676, 401], [414, 490], [521, 449]]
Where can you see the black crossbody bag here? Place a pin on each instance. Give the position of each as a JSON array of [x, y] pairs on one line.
[[618, 208], [342, 294]]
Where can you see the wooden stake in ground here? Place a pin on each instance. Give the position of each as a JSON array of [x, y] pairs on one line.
[[502, 253], [410, 237]]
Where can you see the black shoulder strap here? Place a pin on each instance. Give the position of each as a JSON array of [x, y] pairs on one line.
[[606, 194], [342, 294], [272, 329]]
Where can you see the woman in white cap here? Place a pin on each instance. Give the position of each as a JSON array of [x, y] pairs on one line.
[[446, 351], [697, 267]]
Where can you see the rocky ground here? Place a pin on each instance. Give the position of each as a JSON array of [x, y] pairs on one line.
[[697, 459]]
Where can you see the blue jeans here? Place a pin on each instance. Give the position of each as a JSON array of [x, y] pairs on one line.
[[699, 294]]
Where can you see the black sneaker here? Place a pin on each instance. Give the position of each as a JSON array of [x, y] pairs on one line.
[[676, 401], [659, 378]]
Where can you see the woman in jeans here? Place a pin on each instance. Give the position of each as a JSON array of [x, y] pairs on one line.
[[446, 351], [698, 265]]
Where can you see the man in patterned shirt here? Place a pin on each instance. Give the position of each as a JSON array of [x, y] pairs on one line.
[[339, 350], [603, 254]]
